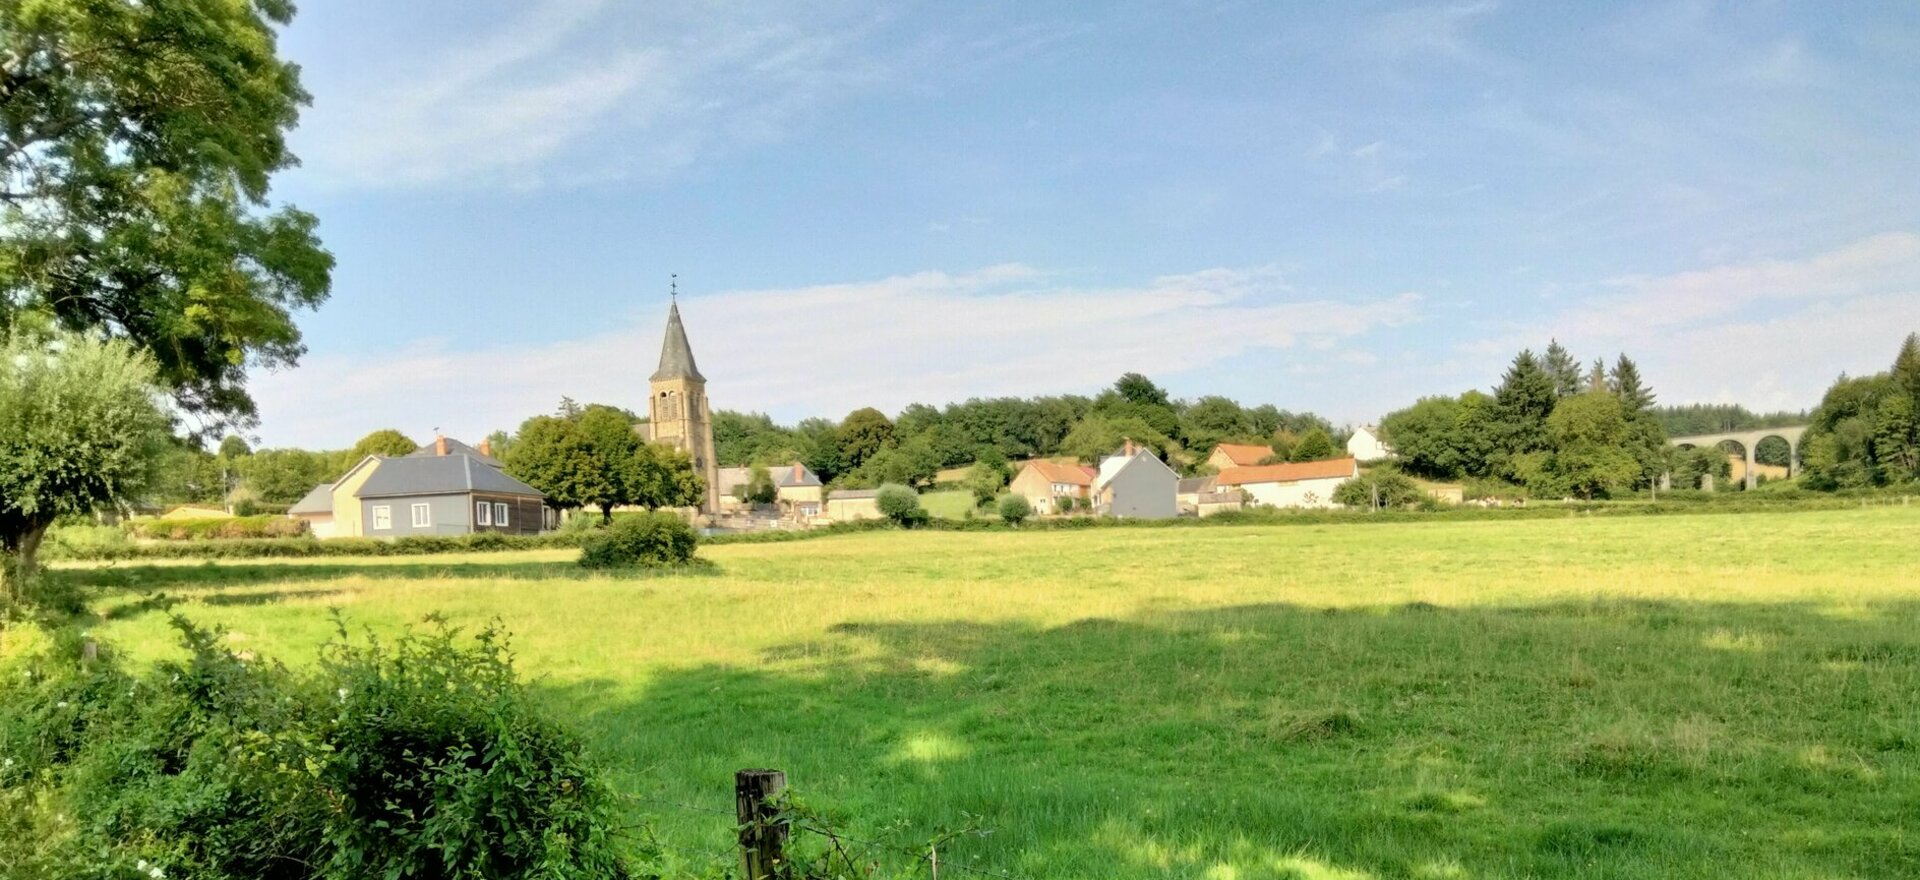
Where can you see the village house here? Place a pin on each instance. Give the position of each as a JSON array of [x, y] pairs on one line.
[[444, 488], [1294, 484], [1044, 483], [1367, 444], [797, 489], [1228, 455], [1134, 482]]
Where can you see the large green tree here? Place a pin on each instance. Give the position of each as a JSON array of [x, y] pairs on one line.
[[282, 476], [137, 140], [1590, 457], [81, 428], [864, 433], [386, 441], [593, 458]]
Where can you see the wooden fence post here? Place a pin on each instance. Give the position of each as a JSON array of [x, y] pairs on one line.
[[763, 835]]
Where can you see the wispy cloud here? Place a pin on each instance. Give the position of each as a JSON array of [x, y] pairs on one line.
[[1429, 30], [613, 89], [1769, 332], [827, 349]]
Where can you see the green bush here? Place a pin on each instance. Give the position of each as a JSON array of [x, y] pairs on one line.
[[1394, 490], [1013, 509], [211, 528], [900, 505], [656, 539], [423, 757]]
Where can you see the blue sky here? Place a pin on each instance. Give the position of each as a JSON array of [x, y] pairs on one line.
[[1335, 207]]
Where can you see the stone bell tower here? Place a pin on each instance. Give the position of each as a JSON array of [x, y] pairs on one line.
[[677, 410]]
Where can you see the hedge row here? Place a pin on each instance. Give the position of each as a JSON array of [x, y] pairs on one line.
[[211, 528], [258, 548]]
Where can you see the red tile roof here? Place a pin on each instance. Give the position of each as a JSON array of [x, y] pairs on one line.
[[1287, 473], [1055, 472], [1244, 454]]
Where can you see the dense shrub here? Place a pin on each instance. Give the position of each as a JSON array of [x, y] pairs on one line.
[[1013, 509], [420, 758], [900, 504], [217, 527], [1391, 488], [653, 540]]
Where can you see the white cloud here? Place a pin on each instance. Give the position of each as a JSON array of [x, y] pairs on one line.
[[1768, 333], [827, 349]]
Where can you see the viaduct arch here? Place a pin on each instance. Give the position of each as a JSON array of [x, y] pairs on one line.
[[1750, 440]]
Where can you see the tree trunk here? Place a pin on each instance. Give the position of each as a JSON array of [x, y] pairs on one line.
[[18, 552], [606, 513]]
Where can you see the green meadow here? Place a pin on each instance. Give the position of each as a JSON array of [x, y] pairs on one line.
[[1593, 697]]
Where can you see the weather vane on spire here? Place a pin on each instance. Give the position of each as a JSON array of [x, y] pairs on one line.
[[673, 291]]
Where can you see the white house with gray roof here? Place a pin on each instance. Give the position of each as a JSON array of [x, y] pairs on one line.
[[443, 488]]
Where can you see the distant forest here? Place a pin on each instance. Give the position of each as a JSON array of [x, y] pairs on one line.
[[1715, 418]]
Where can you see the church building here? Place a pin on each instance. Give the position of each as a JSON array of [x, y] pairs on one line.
[[677, 410]]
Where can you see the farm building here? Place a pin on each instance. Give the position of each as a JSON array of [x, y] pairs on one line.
[[1366, 444], [1187, 492], [846, 505], [444, 488], [1134, 482], [1043, 483], [1228, 455], [1296, 484]]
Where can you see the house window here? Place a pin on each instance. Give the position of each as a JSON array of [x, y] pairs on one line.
[[422, 515], [482, 513], [382, 517], [500, 514]]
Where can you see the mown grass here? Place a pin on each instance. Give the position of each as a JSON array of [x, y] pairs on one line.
[[1683, 696]]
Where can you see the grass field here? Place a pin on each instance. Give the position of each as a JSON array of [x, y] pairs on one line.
[[1685, 696]]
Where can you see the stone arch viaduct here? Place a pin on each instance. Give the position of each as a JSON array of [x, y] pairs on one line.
[[1749, 440]]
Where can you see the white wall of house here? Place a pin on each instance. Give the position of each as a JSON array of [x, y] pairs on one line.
[[1300, 493], [320, 526], [1365, 445]]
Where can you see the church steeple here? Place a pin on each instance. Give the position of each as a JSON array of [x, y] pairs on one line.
[[678, 414], [676, 355]]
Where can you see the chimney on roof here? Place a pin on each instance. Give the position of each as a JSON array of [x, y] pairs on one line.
[[798, 468], [440, 444], [486, 447], [1128, 449]]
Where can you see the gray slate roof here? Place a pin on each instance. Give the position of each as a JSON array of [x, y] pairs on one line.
[[782, 474], [1194, 485], [320, 500], [676, 356], [455, 447], [439, 475]]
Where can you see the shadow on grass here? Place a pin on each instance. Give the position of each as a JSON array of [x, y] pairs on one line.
[[1601, 739]]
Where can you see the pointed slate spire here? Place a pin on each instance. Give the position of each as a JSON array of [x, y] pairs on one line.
[[676, 356]]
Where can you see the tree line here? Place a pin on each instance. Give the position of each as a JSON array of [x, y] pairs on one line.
[[1549, 426], [868, 448]]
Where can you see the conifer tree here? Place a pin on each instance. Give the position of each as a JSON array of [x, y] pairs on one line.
[[1634, 394], [1560, 365]]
